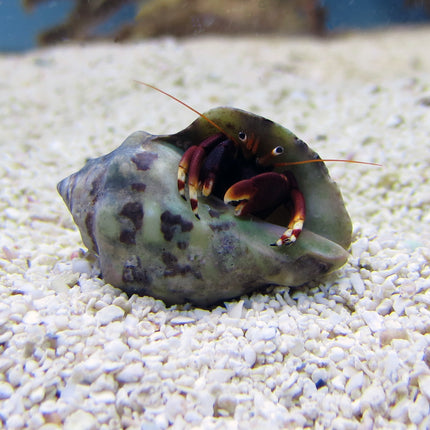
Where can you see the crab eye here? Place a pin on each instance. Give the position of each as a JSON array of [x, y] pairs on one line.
[[278, 150], [242, 136]]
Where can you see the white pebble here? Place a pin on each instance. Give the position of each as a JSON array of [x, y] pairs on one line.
[[15, 421], [373, 396], [80, 420], [48, 407], [395, 121], [399, 411], [182, 319], [341, 423], [37, 394], [103, 397], [175, 405], [62, 282], [5, 337], [109, 314], [32, 317], [249, 355], [424, 384], [131, 373], [373, 320], [219, 375], [338, 382], [80, 265], [357, 284], [235, 310], [358, 247], [15, 375], [391, 365], [418, 410], [336, 354], [355, 382], [115, 349], [6, 390]]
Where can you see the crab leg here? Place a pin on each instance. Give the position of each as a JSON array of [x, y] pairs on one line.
[[213, 163], [295, 226], [190, 164], [183, 167]]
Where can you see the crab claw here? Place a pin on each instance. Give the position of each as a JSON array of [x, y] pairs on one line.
[[258, 194], [261, 194]]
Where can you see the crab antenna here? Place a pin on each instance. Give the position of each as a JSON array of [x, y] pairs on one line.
[[186, 105], [319, 160]]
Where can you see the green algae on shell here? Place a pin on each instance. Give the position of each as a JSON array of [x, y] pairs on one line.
[[128, 210]]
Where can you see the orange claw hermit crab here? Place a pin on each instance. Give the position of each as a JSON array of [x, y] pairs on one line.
[[150, 242]]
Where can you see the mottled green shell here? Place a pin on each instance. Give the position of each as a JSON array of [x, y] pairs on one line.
[[128, 210]]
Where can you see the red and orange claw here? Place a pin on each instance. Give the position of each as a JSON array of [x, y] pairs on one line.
[[263, 193], [259, 194], [241, 196]]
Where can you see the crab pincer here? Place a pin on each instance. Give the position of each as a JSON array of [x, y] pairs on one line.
[[263, 193]]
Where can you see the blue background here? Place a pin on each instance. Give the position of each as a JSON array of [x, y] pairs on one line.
[[19, 28]]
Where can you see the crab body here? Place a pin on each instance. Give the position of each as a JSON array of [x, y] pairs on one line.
[[263, 138], [148, 240]]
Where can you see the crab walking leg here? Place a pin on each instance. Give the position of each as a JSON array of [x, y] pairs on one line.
[[183, 167], [212, 164], [194, 178], [191, 164], [295, 226]]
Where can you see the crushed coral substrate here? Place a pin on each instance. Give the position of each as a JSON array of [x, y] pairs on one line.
[[349, 351]]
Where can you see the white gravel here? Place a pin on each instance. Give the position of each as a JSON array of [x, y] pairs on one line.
[[351, 351]]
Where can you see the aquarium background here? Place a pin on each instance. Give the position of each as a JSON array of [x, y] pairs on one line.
[[20, 26]]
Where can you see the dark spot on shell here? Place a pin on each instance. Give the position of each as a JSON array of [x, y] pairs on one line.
[[138, 186], [173, 268], [134, 272], [89, 225], [223, 226], [128, 237], [227, 250], [182, 245], [300, 143], [96, 185], [169, 259], [133, 211], [170, 223], [144, 160], [306, 262], [213, 213]]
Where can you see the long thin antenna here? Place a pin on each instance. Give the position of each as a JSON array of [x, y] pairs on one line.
[[319, 160], [184, 104], [292, 163]]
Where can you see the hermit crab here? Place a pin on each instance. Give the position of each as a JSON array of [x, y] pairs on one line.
[[231, 204]]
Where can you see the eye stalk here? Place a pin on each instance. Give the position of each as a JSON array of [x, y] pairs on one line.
[[243, 137], [267, 159], [279, 150]]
